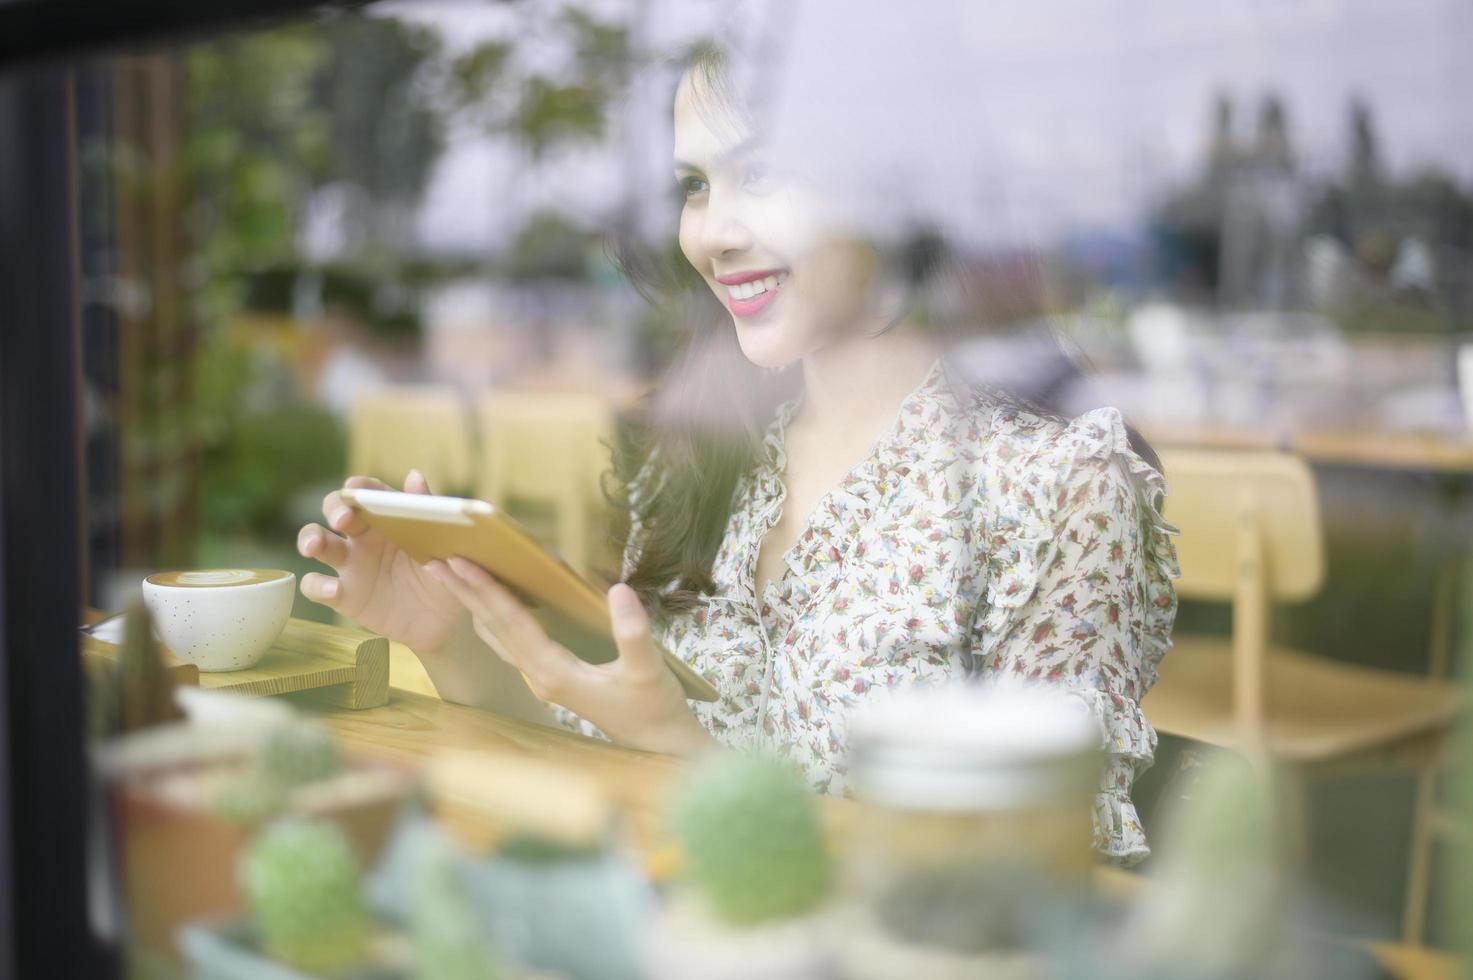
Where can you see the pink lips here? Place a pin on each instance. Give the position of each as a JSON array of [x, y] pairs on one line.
[[758, 303], [755, 305]]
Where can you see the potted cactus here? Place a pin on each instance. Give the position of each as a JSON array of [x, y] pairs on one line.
[[536, 849], [301, 882], [757, 877], [307, 917], [182, 824]]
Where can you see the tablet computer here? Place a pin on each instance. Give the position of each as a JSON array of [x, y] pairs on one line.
[[573, 610]]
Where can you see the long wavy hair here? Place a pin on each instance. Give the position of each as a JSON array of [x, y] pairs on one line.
[[701, 429]]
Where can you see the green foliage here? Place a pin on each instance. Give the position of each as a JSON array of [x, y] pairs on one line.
[[549, 113], [301, 882], [753, 841], [260, 443], [275, 115], [549, 246], [385, 135], [256, 146], [475, 78], [601, 50], [492, 87]]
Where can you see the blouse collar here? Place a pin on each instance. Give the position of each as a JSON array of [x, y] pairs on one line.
[[818, 555]]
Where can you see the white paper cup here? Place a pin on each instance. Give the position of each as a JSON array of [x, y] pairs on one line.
[[221, 618]]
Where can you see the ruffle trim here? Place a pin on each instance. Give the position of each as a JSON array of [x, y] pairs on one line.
[[1118, 835], [1020, 545], [1162, 565], [1129, 744], [1021, 536]]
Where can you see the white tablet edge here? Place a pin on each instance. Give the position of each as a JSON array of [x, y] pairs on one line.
[[419, 506]]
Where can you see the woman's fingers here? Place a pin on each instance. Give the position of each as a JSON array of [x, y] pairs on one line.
[[316, 541], [637, 652], [323, 589], [547, 666], [344, 519], [366, 483], [341, 517]]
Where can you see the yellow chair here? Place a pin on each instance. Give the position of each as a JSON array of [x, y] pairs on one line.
[[549, 449], [394, 429], [1250, 536]]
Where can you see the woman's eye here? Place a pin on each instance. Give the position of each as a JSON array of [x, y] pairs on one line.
[[693, 186]]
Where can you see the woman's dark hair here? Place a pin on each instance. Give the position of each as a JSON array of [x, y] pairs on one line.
[[675, 479]]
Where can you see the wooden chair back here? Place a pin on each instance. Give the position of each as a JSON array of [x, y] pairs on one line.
[[396, 428], [1214, 494], [548, 448], [1250, 535]]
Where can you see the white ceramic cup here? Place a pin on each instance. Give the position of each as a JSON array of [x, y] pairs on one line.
[[220, 618]]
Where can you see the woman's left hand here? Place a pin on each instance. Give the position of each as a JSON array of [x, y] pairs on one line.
[[636, 700]]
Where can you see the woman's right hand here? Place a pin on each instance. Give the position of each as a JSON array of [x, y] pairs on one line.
[[378, 586]]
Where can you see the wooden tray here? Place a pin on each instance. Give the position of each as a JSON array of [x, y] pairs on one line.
[[349, 668]]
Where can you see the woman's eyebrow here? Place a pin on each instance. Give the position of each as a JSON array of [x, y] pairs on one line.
[[743, 148]]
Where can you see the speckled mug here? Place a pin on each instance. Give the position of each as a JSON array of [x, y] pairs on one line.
[[220, 618]]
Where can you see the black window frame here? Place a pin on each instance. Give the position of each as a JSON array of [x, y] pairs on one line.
[[45, 926]]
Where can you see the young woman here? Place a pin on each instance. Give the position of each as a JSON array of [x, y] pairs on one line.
[[831, 513]]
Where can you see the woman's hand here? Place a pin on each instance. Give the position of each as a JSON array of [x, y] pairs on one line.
[[377, 585], [635, 699]]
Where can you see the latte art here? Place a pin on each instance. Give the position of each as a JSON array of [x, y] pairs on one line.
[[214, 578]]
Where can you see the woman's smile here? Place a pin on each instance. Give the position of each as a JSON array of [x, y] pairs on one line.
[[749, 293]]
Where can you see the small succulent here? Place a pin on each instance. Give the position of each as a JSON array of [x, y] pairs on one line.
[[250, 797], [301, 882], [300, 752], [141, 689], [450, 941], [297, 753], [753, 841], [529, 848]]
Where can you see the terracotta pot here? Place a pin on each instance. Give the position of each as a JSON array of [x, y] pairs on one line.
[[177, 859]]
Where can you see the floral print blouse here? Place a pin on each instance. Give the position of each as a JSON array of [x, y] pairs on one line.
[[977, 540]]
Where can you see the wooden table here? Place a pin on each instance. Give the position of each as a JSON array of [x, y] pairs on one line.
[[1418, 451], [413, 727]]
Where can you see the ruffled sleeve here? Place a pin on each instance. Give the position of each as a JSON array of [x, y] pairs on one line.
[[1079, 593]]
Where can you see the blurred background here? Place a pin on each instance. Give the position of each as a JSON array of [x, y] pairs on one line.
[[378, 240]]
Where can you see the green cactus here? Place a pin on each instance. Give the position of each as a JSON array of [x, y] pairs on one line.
[[753, 841], [449, 940], [145, 688], [300, 752], [301, 882]]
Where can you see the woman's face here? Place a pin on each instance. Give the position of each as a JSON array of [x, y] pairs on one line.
[[763, 241]]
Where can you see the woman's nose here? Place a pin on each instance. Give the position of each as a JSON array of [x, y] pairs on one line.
[[724, 230]]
